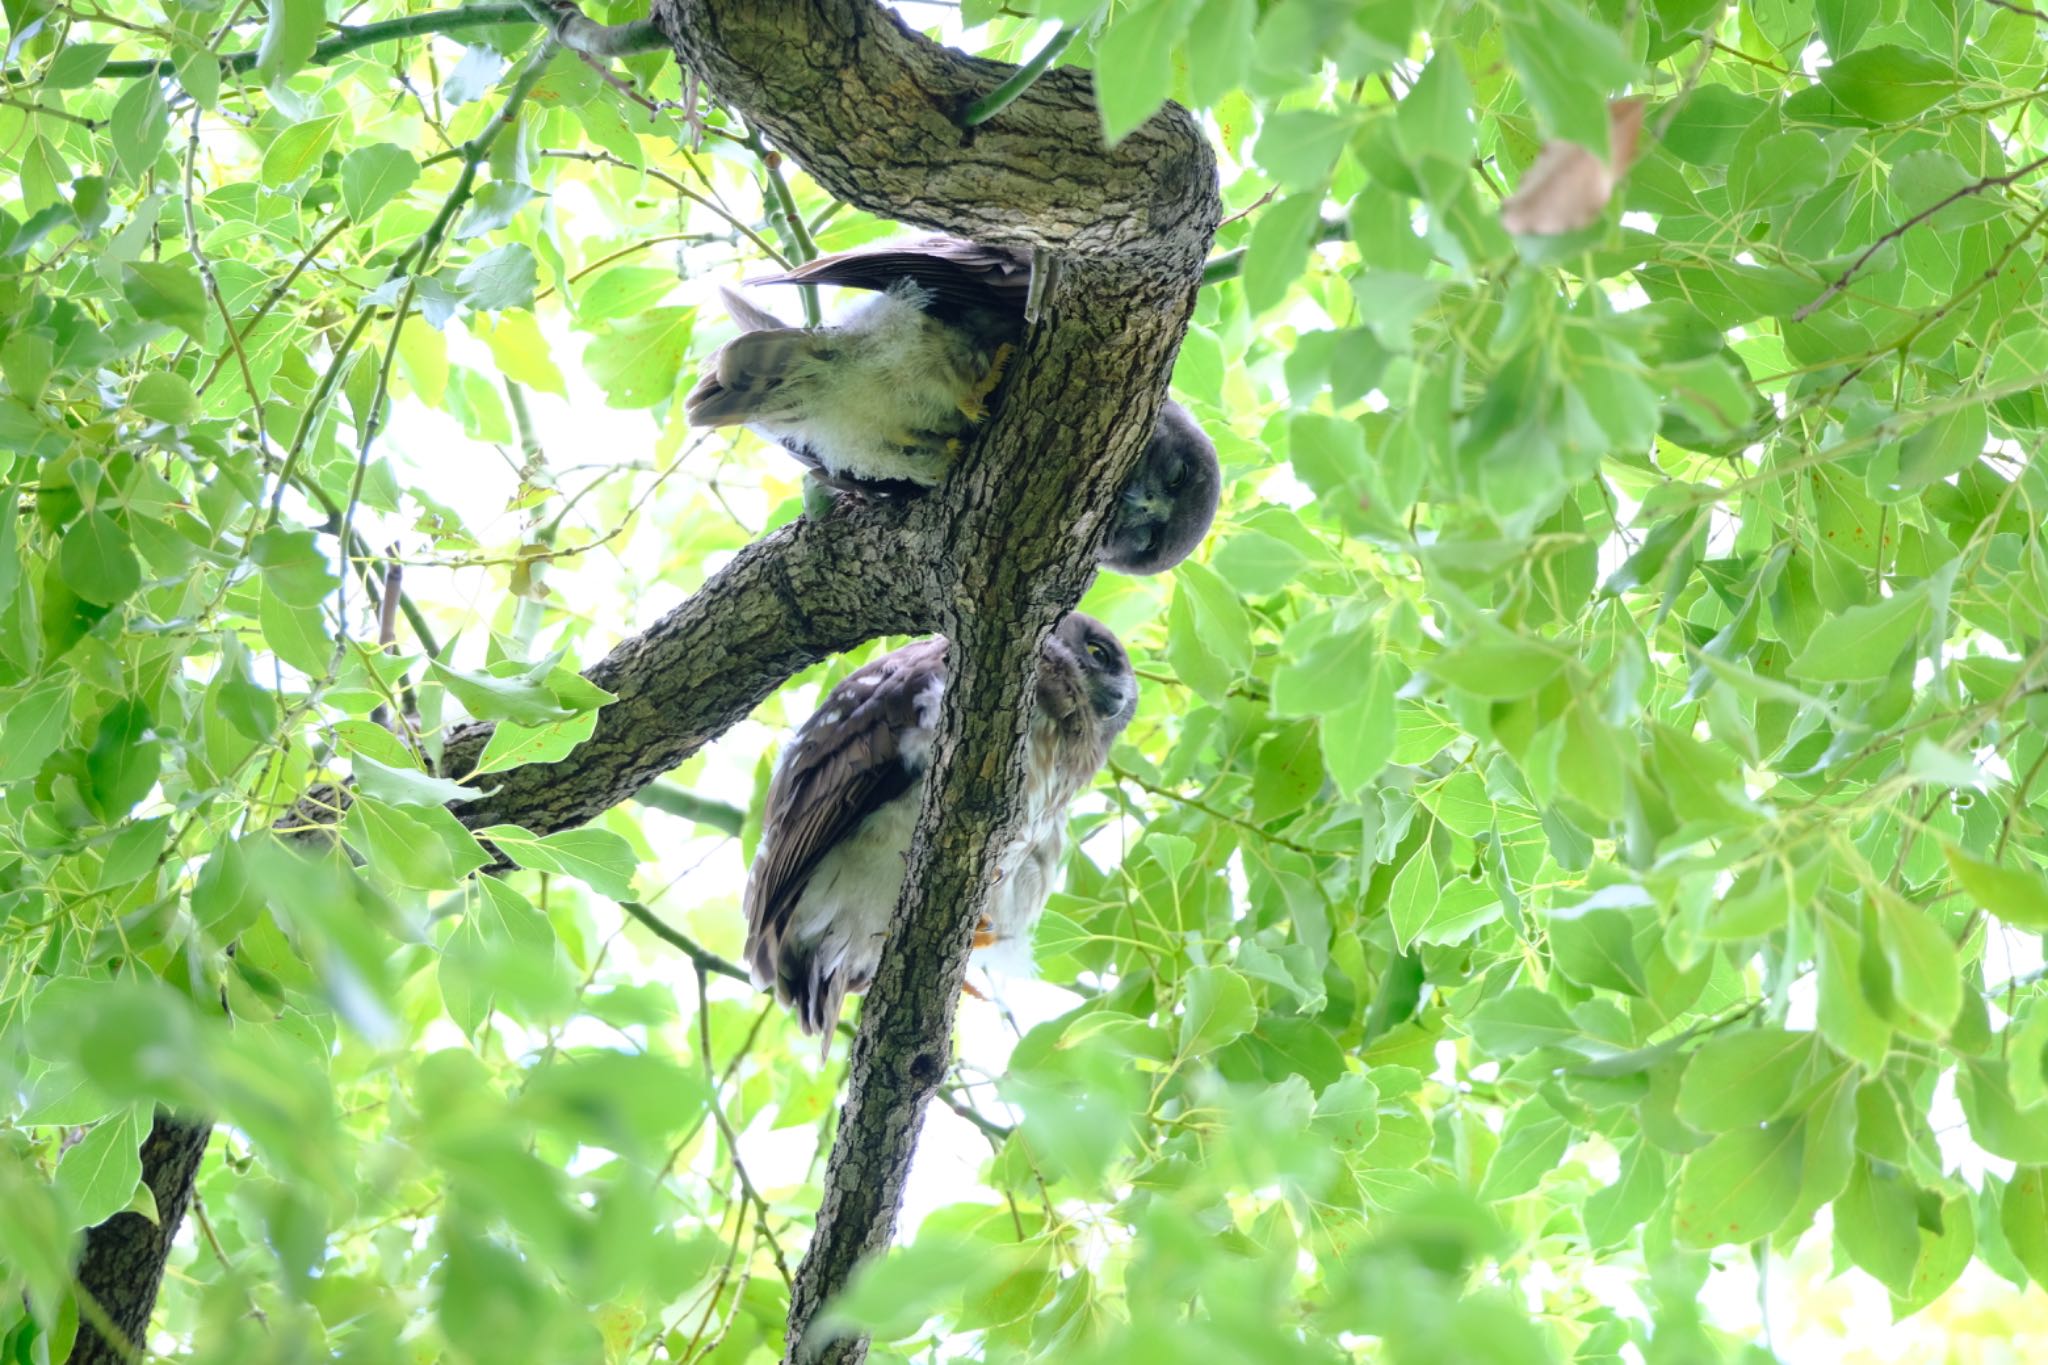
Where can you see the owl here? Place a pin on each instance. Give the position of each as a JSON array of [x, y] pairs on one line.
[[845, 798], [882, 401]]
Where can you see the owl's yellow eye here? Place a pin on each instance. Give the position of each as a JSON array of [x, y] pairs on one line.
[[1098, 653]]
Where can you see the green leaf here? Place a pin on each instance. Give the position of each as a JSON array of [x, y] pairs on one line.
[[1133, 62], [97, 1176], [636, 363], [412, 849], [1742, 1079], [122, 764], [140, 122], [1945, 1249], [1846, 1018], [1288, 772], [164, 397], [225, 901], [406, 786], [161, 291], [1531, 1146], [1522, 1020], [1778, 169], [1863, 642], [1495, 664], [1945, 446], [1708, 126], [297, 150], [500, 279], [289, 37], [1283, 233], [1738, 1187], [2016, 893], [33, 727], [1597, 948], [527, 696], [98, 560], [624, 291], [298, 634], [597, 857], [1300, 146], [1925, 973], [1889, 83], [1568, 64], [372, 177], [1616, 1209], [2023, 1216], [1217, 1009]]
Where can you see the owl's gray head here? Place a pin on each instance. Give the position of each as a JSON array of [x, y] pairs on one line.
[[1106, 679], [1170, 501]]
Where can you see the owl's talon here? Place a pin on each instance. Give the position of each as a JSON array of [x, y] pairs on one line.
[[975, 405]]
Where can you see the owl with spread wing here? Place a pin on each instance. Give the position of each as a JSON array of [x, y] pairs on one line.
[[845, 800], [882, 401]]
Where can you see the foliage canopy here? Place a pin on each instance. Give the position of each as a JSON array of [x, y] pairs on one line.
[[1584, 818]]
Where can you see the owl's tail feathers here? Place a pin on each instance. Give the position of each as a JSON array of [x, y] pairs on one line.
[[749, 317], [744, 381]]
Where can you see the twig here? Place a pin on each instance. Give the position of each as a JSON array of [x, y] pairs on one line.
[[997, 1132], [732, 1140], [1018, 81], [586, 37], [704, 958], [656, 173], [212, 285], [345, 41], [668, 797], [411, 263], [1841, 281], [277, 291], [782, 212], [1229, 265], [2036, 15]]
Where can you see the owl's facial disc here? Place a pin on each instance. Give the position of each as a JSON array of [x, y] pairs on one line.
[[1170, 501], [1106, 676]]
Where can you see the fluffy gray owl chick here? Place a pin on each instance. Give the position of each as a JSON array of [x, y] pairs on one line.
[[844, 803], [881, 402]]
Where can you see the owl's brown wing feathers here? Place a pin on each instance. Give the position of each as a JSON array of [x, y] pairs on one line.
[[958, 274], [846, 763]]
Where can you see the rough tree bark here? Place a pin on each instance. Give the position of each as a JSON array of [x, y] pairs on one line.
[[992, 559], [124, 1257], [869, 108]]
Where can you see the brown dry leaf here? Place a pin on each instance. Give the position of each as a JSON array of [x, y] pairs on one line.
[[1567, 188]]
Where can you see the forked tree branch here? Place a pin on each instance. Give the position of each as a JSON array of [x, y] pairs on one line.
[[868, 107]]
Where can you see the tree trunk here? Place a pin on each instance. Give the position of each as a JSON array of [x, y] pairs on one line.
[[868, 107], [124, 1257]]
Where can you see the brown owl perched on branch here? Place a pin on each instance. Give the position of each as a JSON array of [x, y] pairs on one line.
[[845, 799], [880, 402]]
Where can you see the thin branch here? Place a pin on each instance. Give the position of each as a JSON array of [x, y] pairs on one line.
[[783, 215], [704, 958], [732, 1139], [343, 42], [1228, 265], [589, 38], [1018, 81], [674, 800], [2037, 16], [1863, 257]]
